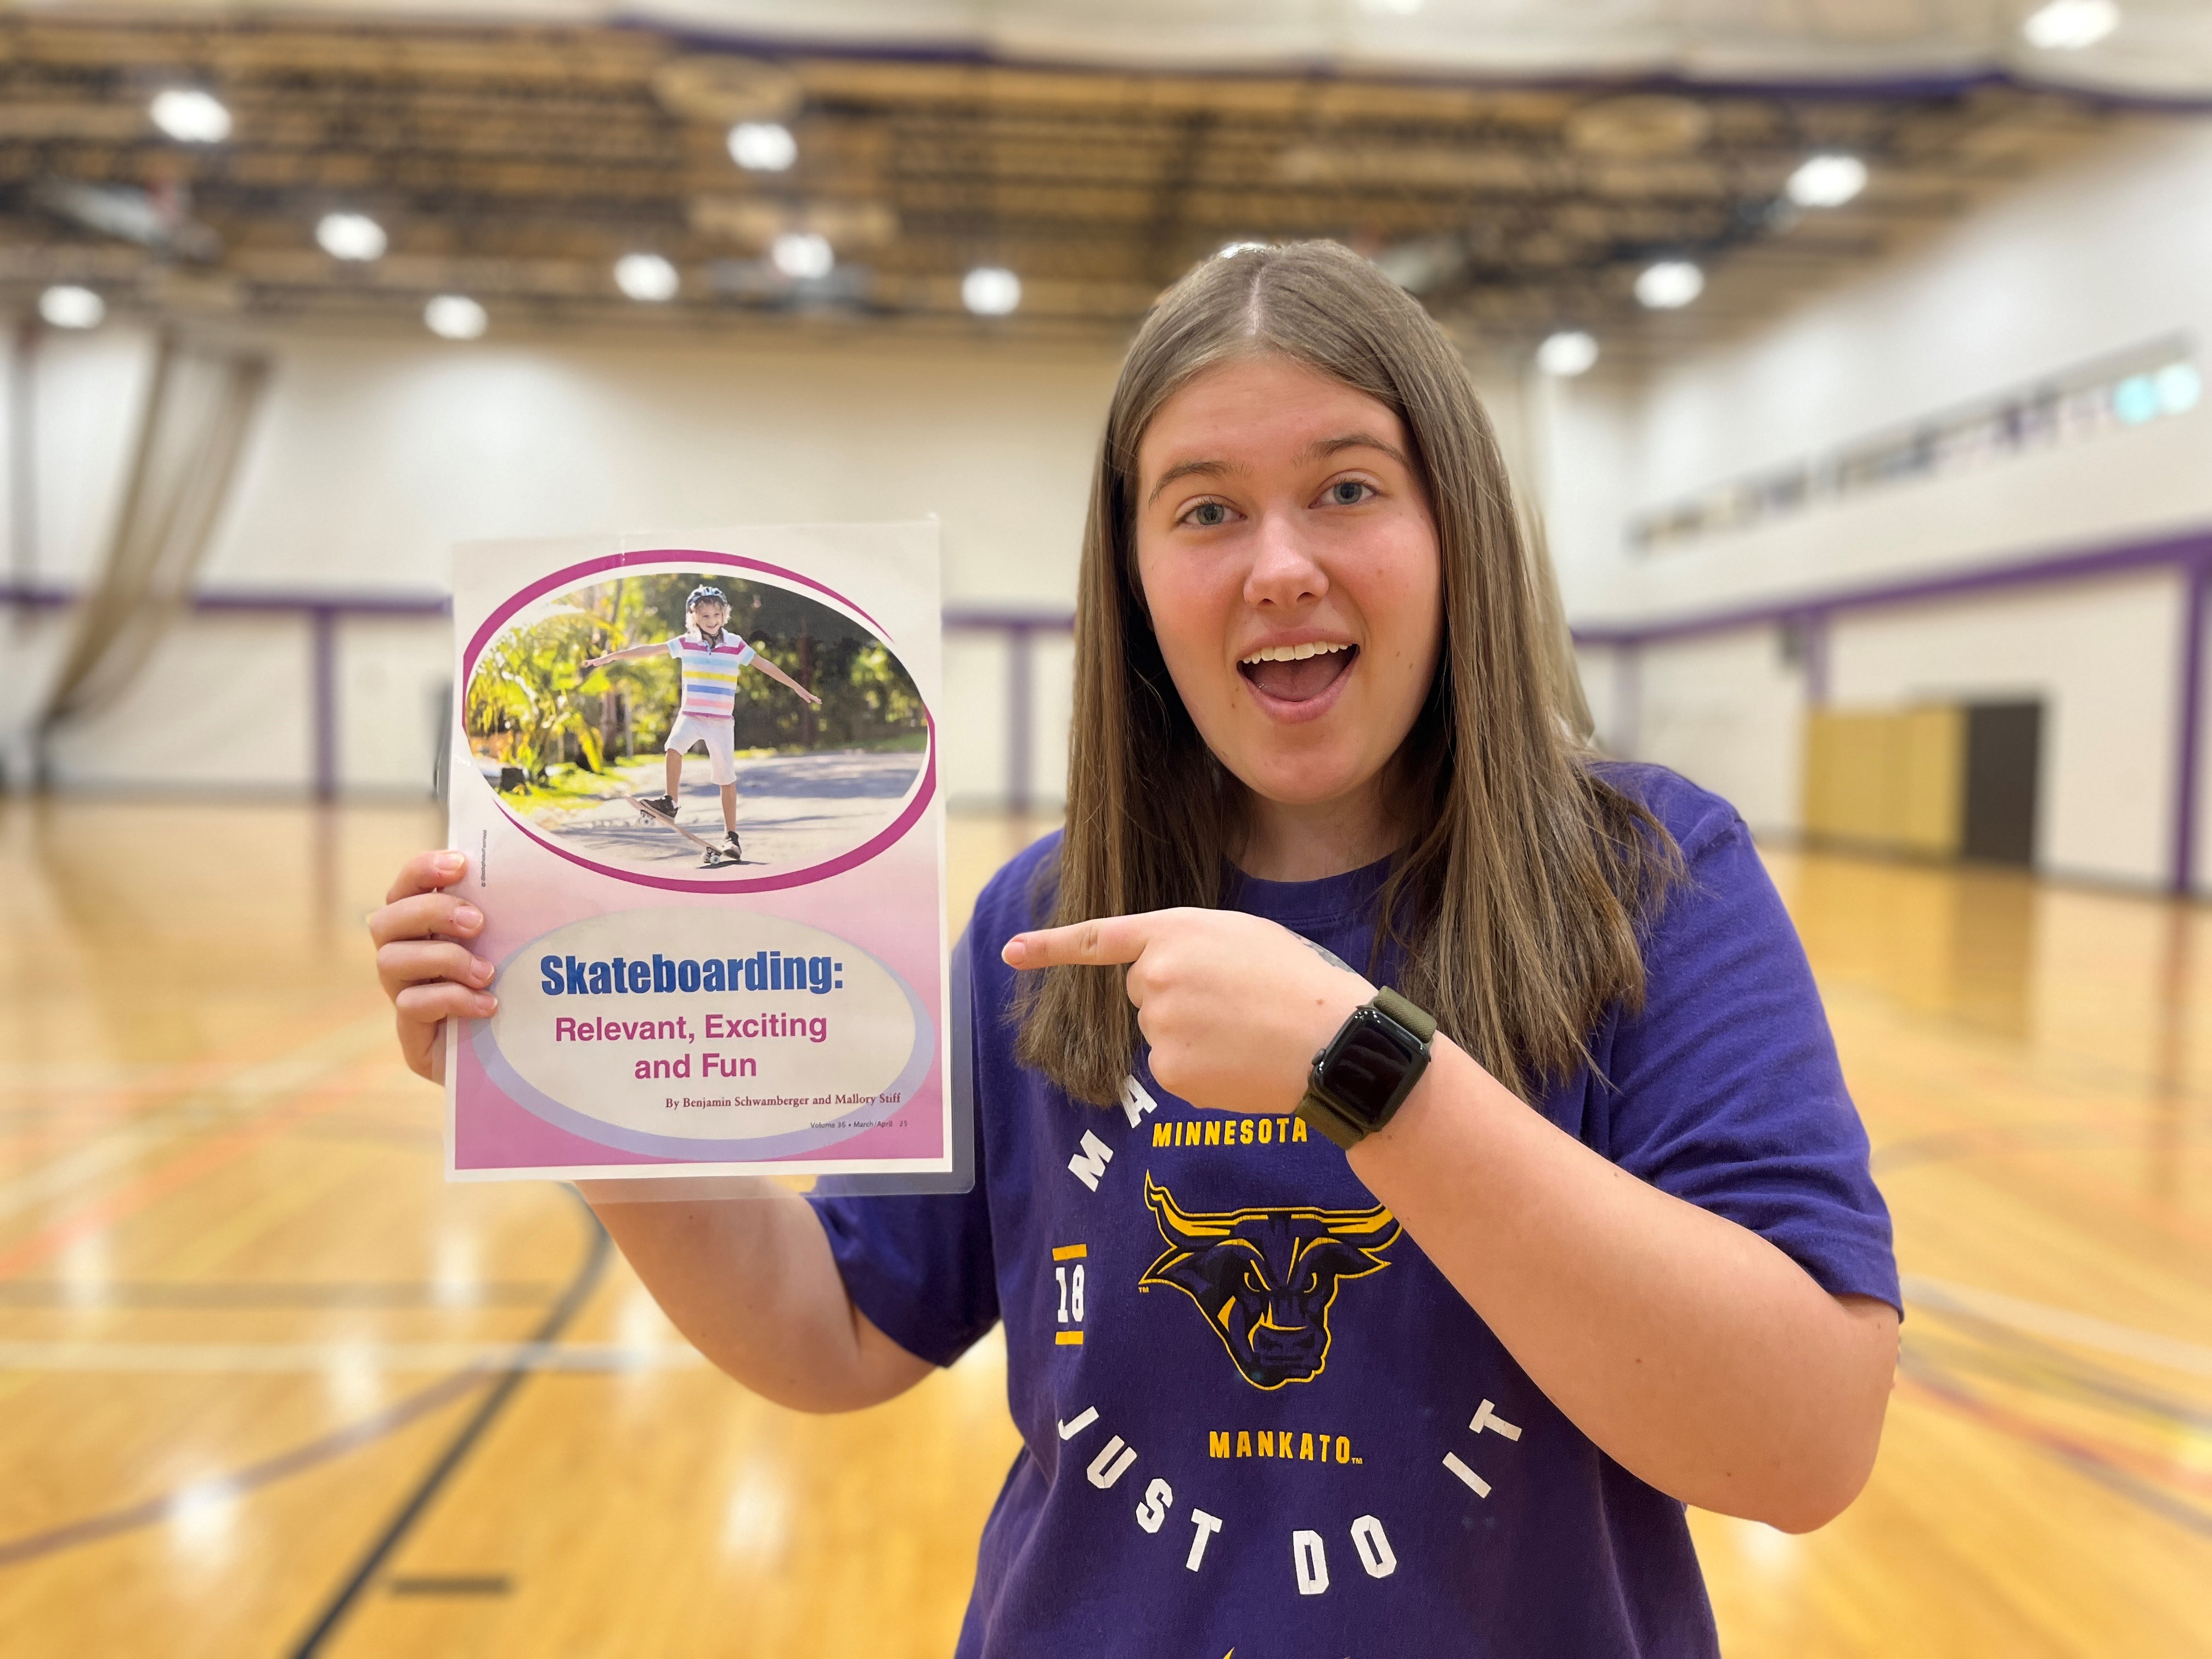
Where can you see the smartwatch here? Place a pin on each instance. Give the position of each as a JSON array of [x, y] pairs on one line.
[[1364, 1073]]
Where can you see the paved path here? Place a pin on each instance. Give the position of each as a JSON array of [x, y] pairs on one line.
[[793, 811]]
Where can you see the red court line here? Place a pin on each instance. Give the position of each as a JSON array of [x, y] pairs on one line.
[[2073, 1449], [208, 1156]]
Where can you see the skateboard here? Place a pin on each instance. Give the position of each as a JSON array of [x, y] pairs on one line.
[[717, 857]]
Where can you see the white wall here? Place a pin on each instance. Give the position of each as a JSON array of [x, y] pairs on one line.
[[1727, 710], [2107, 253], [2105, 658], [373, 456], [2104, 254]]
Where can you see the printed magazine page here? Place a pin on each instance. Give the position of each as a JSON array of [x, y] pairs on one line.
[[696, 778]]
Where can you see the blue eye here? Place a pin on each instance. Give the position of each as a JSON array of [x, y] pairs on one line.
[[1348, 492], [1209, 514]]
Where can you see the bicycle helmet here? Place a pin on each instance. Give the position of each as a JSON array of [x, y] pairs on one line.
[[706, 590]]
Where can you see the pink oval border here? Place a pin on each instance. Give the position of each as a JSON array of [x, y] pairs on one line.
[[886, 837]]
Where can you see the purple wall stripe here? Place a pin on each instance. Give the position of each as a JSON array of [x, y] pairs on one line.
[[323, 611], [2189, 760], [2191, 555], [2078, 565]]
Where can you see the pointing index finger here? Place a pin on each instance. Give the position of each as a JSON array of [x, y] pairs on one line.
[[1109, 939]]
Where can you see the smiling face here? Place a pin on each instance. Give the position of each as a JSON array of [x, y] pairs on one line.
[[709, 614], [1290, 563]]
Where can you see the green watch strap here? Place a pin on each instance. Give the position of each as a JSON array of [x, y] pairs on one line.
[[1413, 1019], [1318, 1112]]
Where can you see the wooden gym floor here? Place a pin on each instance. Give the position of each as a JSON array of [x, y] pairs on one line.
[[269, 1386]]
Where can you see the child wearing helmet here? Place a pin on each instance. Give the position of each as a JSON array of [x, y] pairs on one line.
[[711, 657]]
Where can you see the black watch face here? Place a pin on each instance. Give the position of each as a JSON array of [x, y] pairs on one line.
[[1364, 1067]]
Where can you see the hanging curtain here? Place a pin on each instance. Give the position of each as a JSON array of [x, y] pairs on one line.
[[198, 410]]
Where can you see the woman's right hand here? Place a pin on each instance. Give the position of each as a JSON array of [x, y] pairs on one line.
[[426, 969]]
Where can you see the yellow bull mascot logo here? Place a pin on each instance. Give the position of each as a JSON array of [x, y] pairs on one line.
[[1266, 1279]]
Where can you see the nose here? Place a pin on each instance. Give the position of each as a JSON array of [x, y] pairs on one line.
[[1284, 574]]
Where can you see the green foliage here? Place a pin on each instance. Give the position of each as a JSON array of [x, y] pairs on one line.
[[529, 693], [530, 702]]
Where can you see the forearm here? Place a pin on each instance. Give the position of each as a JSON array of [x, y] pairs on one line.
[[752, 1282], [1688, 1349]]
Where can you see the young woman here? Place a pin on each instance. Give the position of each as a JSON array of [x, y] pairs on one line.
[[1420, 1347]]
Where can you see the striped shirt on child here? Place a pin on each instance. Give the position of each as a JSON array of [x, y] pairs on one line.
[[710, 673]]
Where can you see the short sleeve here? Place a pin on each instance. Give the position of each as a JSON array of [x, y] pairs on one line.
[[746, 654], [676, 647], [922, 1267], [1726, 1090]]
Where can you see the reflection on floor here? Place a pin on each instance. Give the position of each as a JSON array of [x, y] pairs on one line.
[[267, 1385]]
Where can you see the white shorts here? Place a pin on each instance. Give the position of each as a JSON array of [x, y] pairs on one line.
[[688, 729]]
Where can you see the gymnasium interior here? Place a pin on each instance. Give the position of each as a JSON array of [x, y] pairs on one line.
[[1848, 355]]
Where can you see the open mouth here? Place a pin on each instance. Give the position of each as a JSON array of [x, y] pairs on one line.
[[1297, 673]]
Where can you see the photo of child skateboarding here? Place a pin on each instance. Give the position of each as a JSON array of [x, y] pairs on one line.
[[587, 716], [711, 659]]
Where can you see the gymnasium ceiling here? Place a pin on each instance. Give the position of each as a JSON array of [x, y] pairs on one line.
[[1516, 168]]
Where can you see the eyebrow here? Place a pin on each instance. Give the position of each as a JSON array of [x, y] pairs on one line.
[[1319, 449], [1359, 440], [1188, 470]]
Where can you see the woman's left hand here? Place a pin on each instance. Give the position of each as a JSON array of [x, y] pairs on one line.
[[1233, 1007]]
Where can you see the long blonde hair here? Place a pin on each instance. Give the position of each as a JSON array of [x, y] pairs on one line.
[[1511, 909]]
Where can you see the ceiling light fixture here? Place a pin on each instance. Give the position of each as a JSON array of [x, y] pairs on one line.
[[2070, 25], [350, 236], [647, 277], [67, 306], [191, 116], [991, 291], [1826, 181], [762, 146], [1567, 354], [1670, 284], [802, 255], [456, 317]]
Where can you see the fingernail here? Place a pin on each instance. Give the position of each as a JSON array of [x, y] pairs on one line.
[[1014, 954], [468, 915], [487, 1004], [449, 863], [482, 968]]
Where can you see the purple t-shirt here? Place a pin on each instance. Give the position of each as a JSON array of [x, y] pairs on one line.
[[1255, 1416]]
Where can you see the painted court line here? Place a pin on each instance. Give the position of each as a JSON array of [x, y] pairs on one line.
[[2061, 1324], [189, 1166], [167, 1357], [116, 1140]]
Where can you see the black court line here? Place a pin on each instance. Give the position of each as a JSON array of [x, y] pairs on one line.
[[487, 1583], [417, 1502], [155, 1511], [273, 1294]]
